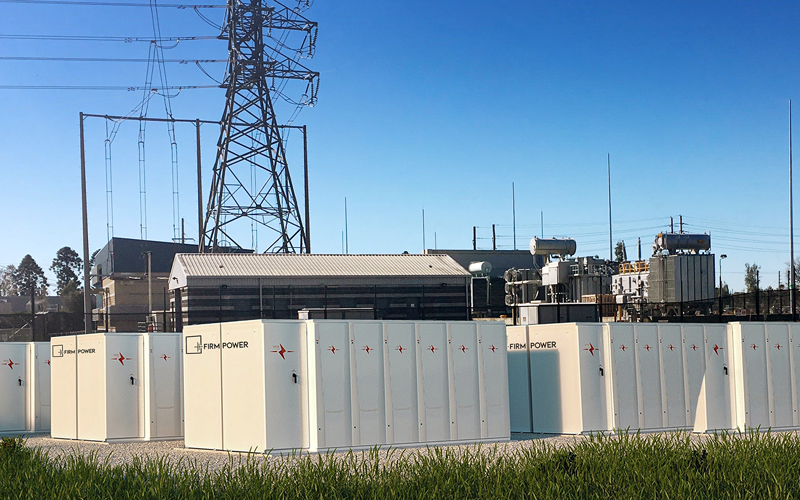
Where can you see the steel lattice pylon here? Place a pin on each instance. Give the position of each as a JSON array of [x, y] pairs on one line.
[[250, 136]]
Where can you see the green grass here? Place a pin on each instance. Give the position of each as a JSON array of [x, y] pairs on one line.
[[659, 466]]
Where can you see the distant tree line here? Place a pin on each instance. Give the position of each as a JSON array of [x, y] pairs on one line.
[[28, 277]]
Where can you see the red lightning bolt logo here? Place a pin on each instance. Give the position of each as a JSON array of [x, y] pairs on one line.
[[754, 346], [493, 348], [671, 347], [778, 346], [694, 347], [400, 349], [647, 347], [463, 348], [121, 358], [165, 357], [9, 363], [282, 351], [591, 349], [366, 349], [717, 349], [623, 347], [332, 349], [432, 349], [48, 362]]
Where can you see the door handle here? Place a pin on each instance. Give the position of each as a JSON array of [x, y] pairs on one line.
[[20, 382], [133, 381], [294, 377], [602, 374]]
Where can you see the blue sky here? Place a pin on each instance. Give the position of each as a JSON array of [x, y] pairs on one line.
[[441, 106]]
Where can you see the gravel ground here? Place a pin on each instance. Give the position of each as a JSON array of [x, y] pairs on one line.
[[174, 451]]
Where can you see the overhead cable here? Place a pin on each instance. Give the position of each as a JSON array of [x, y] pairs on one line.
[[113, 4], [124, 39], [108, 59], [103, 87]]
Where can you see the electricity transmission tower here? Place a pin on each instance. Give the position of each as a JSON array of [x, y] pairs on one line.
[[251, 143]]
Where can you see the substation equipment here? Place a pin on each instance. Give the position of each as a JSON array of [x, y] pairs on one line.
[[117, 386], [282, 385], [582, 378], [680, 270], [24, 387], [560, 280]]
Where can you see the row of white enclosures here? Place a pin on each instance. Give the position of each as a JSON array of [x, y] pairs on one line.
[[325, 384], [24, 387], [584, 377], [280, 385]]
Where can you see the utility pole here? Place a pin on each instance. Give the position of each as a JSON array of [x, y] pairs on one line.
[[792, 281], [87, 305], [149, 285], [200, 242], [250, 136], [423, 230], [514, 214], [305, 183], [610, 238]]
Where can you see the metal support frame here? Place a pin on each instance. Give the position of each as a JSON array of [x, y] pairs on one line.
[[87, 306], [250, 135]]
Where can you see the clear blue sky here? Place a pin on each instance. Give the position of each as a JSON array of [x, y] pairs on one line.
[[441, 106]]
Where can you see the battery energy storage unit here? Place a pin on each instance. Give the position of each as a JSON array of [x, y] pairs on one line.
[[281, 385], [39, 385], [519, 379], [709, 367], [666, 376], [116, 386], [588, 377], [568, 382], [24, 387], [764, 372]]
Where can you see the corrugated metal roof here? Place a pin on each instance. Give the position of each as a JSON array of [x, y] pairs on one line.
[[305, 265]]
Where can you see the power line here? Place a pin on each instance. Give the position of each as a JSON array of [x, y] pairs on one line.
[[88, 38], [108, 59], [103, 87], [113, 4], [124, 39]]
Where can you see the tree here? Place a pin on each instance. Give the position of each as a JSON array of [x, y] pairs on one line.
[[620, 255], [751, 277], [72, 298], [796, 271], [29, 276], [8, 287], [67, 266]]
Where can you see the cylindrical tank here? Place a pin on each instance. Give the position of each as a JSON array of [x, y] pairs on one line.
[[553, 246], [674, 242], [480, 267]]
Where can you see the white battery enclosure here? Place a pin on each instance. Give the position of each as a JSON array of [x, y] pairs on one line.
[[116, 386], [283, 385]]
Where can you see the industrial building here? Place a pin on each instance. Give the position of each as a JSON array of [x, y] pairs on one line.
[[126, 294], [230, 287]]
